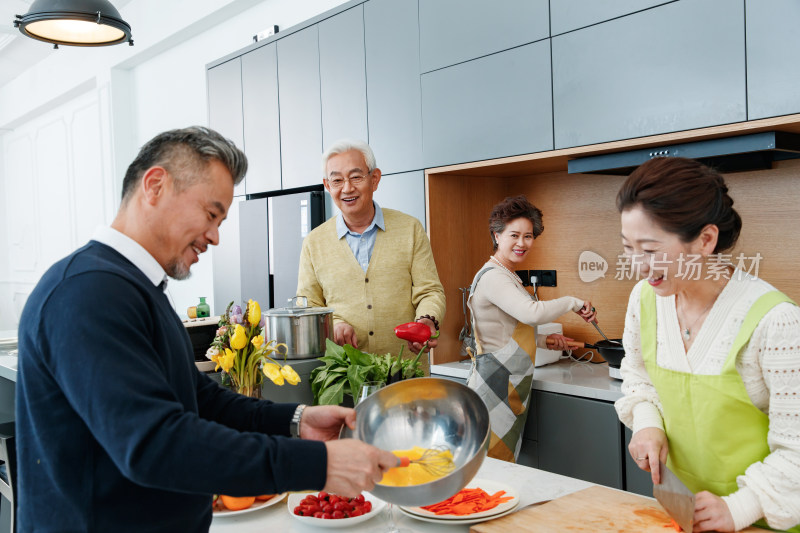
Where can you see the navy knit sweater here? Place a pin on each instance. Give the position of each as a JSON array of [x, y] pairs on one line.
[[116, 428]]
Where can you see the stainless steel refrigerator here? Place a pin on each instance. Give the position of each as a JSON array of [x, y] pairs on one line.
[[271, 231]]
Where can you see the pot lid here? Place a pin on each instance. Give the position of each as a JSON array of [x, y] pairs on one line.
[[299, 307]]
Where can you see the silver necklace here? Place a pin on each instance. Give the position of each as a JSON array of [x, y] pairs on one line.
[[687, 332], [493, 258]]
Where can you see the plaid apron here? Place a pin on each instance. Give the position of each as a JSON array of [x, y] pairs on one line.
[[503, 379]]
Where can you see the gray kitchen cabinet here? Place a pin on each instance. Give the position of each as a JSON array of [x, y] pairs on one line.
[[404, 192], [495, 106], [478, 28], [262, 136], [568, 15], [675, 67], [300, 111], [394, 113], [636, 479], [773, 72], [578, 437], [224, 84], [343, 77], [226, 261], [254, 268]]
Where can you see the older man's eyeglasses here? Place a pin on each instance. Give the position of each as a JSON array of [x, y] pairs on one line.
[[338, 183]]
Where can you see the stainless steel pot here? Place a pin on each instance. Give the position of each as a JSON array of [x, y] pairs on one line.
[[302, 328]]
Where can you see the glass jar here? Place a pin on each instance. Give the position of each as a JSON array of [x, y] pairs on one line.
[[203, 310]]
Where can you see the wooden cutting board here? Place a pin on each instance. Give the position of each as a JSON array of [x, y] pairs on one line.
[[593, 509]]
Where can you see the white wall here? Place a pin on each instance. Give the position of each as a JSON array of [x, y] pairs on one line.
[[73, 122]]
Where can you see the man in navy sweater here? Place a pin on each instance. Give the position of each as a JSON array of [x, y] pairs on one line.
[[116, 428]]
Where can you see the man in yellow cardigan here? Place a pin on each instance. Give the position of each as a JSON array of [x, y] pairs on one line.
[[373, 266]]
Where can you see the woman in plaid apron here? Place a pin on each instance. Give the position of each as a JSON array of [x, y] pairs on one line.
[[504, 317]]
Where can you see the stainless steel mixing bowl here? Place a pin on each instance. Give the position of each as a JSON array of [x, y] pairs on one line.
[[426, 412]]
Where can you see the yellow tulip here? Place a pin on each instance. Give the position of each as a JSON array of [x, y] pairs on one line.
[[239, 338], [253, 313], [291, 376], [227, 360], [257, 341], [273, 372]]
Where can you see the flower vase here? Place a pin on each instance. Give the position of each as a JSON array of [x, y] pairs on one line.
[[251, 390]]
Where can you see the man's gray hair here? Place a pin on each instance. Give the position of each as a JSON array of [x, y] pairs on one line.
[[185, 153], [345, 145]]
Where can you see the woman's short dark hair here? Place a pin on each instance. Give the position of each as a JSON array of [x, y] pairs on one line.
[[512, 208], [682, 196]]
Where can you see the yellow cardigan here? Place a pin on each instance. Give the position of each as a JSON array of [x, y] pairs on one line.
[[400, 284]]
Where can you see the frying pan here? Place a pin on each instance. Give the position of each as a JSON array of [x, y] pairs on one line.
[[611, 350]]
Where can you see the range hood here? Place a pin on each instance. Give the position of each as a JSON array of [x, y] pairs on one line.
[[755, 151]]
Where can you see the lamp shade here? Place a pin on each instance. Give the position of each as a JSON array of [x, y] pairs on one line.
[[74, 23]]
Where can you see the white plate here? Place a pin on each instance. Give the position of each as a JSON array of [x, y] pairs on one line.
[[255, 507], [463, 521], [295, 499], [489, 486]]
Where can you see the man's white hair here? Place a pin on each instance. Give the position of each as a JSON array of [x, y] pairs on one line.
[[345, 145]]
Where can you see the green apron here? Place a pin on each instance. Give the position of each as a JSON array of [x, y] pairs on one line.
[[714, 430], [503, 379]]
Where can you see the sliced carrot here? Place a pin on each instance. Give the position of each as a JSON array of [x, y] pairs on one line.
[[265, 497], [674, 525], [468, 501]]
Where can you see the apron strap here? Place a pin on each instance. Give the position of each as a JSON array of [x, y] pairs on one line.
[[472, 288], [647, 323], [757, 311]]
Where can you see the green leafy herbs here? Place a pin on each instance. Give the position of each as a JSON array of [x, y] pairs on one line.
[[347, 368]]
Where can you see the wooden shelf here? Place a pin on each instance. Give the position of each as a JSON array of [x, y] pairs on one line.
[[556, 160], [580, 214]]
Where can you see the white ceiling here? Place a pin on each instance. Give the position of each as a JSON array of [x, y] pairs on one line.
[[17, 52]]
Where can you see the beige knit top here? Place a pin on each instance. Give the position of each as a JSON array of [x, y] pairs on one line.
[[400, 284], [500, 301]]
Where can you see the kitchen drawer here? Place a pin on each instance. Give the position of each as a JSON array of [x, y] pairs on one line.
[[579, 438], [636, 479], [529, 454]]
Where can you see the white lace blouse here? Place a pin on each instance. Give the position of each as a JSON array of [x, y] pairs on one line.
[[770, 368]]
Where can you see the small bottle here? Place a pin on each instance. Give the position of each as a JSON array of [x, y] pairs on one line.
[[203, 310]]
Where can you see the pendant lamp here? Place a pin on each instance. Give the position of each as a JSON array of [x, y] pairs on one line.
[[74, 23]]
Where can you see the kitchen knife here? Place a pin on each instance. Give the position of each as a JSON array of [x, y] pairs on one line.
[[676, 498]]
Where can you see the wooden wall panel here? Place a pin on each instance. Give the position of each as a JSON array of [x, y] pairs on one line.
[[579, 214], [458, 209], [767, 201]]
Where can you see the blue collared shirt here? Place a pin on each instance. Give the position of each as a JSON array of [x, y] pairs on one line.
[[362, 244]]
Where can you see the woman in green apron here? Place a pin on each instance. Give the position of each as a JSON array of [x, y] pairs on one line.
[[711, 375], [504, 317]]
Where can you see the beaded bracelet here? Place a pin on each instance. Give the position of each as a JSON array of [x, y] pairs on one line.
[[432, 319]]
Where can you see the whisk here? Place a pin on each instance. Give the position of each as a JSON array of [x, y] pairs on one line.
[[436, 460]]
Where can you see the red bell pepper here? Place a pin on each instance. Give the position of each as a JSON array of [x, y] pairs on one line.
[[413, 332]]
